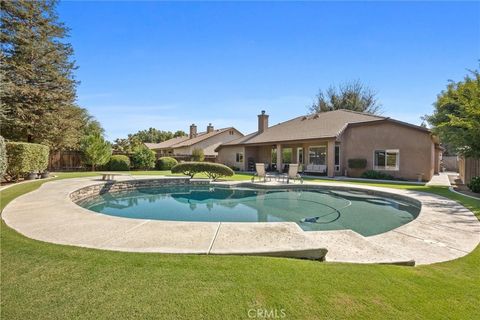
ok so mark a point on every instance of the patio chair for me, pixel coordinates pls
(260, 172)
(293, 173)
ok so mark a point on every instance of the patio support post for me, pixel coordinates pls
(279, 157)
(331, 158)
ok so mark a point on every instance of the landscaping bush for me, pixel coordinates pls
(198, 155)
(357, 163)
(143, 158)
(474, 184)
(95, 150)
(24, 158)
(166, 163)
(119, 163)
(372, 174)
(3, 157)
(212, 170)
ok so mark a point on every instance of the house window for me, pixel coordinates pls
(386, 159)
(231, 132)
(239, 157)
(317, 155)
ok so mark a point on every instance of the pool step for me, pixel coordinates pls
(349, 246)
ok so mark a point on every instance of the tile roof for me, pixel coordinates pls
(166, 144)
(186, 141)
(200, 137)
(322, 125)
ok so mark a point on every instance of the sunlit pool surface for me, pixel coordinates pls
(312, 210)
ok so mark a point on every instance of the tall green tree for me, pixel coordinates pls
(456, 116)
(96, 151)
(352, 95)
(151, 135)
(38, 87)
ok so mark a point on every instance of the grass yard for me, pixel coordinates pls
(47, 281)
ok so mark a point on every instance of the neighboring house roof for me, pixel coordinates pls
(180, 142)
(166, 144)
(317, 126)
(201, 137)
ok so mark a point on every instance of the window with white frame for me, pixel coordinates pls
(388, 159)
(239, 157)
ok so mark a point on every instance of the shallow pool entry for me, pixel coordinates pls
(311, 209)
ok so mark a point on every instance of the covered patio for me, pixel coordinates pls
(317, 157)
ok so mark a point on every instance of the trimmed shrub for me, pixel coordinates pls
(372, 174)
(166, 163)
(474, 184)
(198, 155)
(24, 158)
(3, 157)
(212, 170)
(119, 163)
(143, 158)
(357, 163)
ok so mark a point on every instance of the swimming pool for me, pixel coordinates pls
(312, 209)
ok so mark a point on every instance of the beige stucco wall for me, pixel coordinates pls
(209, 145)
(417, 151)
(227, 156)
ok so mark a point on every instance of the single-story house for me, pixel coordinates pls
(181, 147)
(325, 142)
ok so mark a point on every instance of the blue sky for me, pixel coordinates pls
(166, 65)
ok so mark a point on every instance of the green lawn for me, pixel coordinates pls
(47, 281)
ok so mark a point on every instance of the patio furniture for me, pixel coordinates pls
(293, 173)
(261, 173)
(320, 168)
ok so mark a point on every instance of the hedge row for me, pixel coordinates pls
(24, 158)
(372, 174)
(212, 170)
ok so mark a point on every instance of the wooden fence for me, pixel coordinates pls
(450, 163)
(468, 168)
(65, 161)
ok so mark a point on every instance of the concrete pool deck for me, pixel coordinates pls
(444, 230)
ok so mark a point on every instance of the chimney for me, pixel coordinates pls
(209, 128)
(262, 122)
(193, 131)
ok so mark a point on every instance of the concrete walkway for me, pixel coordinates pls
(443, 231)
(440, 180)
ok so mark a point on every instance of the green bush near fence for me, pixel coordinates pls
(24, 158)
(474, 184)
(166, 163)
(212, 170)
(119, 163)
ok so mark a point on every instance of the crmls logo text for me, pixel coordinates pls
(267, 313)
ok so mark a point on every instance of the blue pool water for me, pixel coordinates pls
(322, 209)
